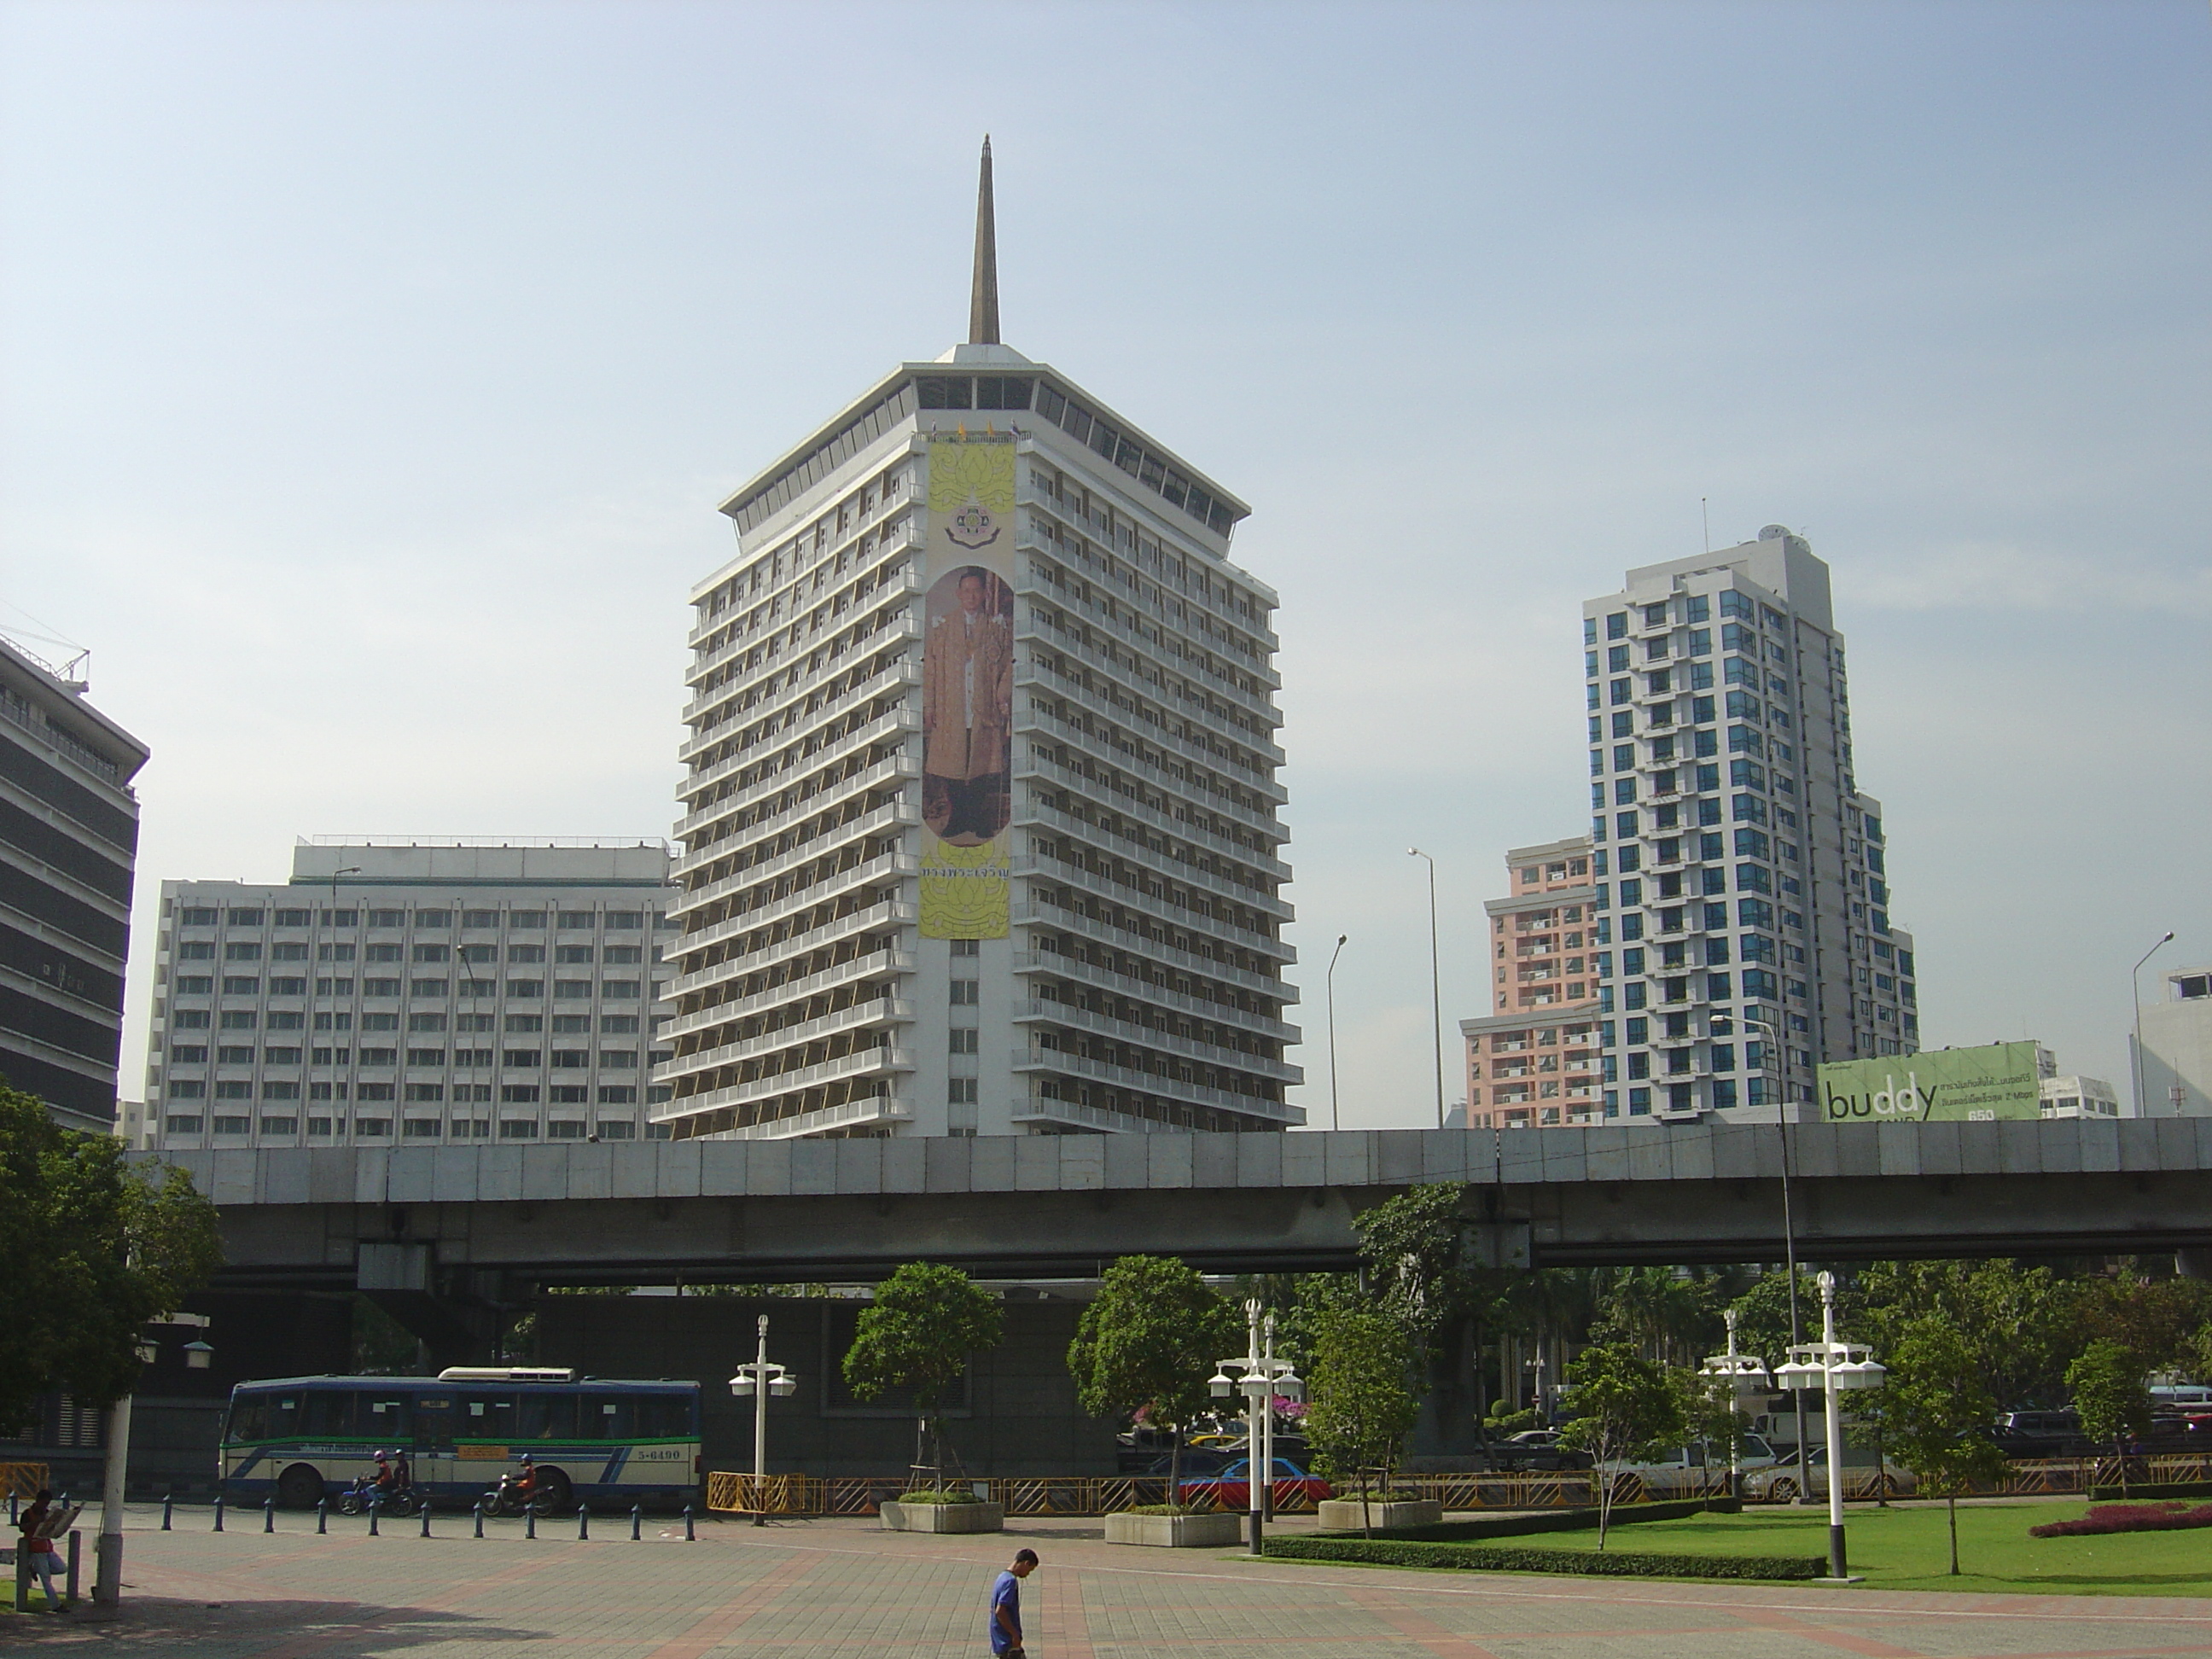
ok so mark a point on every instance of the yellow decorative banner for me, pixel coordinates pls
(968, 689)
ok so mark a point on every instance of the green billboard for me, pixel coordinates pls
(1942, 1085)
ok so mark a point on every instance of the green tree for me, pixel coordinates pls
(1147, 1343)
(1620, 1407)
(1938, 1414)
(91, 1248)
(2108, 1388)
(917, 1334)
(1361, 1402)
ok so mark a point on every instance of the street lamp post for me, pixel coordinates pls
(1742, 1373)
(1833, 1367)
(1435, 990)
(2135, 991)
(758, 1381)
(1790, 1251)
(1329, 980)
(1260, 1377)
(107, 1549)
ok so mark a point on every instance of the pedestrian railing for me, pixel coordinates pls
(2072, 1474)
(1090, 1495)
(22, 1480)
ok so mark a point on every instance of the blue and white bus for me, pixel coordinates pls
(610, 1442)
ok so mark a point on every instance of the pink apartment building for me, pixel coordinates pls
(1537, 1060)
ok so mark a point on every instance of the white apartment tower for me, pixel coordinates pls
(411, 993)
(1742, 887)
(981, 826)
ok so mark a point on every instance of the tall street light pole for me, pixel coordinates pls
(1435, 990)
(760, 1379)
(1329, 980)
(2135, 990)
(1259, 1376)
(107, 1549)
(1832, 1366)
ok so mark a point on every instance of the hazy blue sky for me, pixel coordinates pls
(372, 372)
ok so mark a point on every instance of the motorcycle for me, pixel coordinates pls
(509, 1498)
(357, 1498)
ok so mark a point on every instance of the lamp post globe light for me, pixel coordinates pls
(756, 1381)
(1259, 1376)
(1831, 1366)
(1742, 1373)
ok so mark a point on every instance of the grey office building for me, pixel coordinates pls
(69, 838)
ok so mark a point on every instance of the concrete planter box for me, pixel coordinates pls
(1216, 1529)
(1342, 1514)
(943, 1517)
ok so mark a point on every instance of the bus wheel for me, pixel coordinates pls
(299, 1487)
(558, 1492)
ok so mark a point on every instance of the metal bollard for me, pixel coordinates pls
(76, 1557)
(426, 1518)
(636, 1522)
(168, 1503)
(530, 1520)
(268, 1514)
(376, 1508)
(480, 1517)
(218, 1511)
(322, 1516)
(22, 1581)
(690, 1537)
(11, 1508)
(583, 1522)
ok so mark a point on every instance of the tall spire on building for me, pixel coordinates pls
(983, 295)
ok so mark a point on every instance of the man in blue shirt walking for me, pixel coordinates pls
(1006, 1606)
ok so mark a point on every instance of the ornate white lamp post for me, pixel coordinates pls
(107, 1548)
(1831, 1366)
(758, 1381)
(1260, 1377)
(1740, 1374)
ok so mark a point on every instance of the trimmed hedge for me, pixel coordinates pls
(1590, 1564)
(1574, 1520)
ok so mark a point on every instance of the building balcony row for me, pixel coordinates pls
(871, 918)
(1061, 966)
(1040, 913)
(1057, 1062)
(813, 787)
(1036, 762)
(1114, 844)
(1041, 1012)
(871, 1014)
(873, 965)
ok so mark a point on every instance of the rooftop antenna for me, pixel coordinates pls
(1705, 513)
(983, 291)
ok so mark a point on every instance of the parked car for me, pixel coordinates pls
(2042, 1434)
(1196, 1461)
(1534, 1450)
(1782, 1482)
(1684, 1468)
(1232, 1489)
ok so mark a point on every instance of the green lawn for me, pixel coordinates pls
(1906, 1548)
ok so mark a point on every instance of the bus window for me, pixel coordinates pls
(283, 1416)
(547, 1417)
(380, 1416)
(664, 1416)
(249, 1418)
(328, 1414)
(610, 1416)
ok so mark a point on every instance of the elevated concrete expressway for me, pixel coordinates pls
(482, 1223)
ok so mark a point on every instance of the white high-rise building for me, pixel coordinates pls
(982, 830)
(2173, 1067)
(412, 993)
(1742, 876)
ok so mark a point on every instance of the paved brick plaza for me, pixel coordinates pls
(823, 1588)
